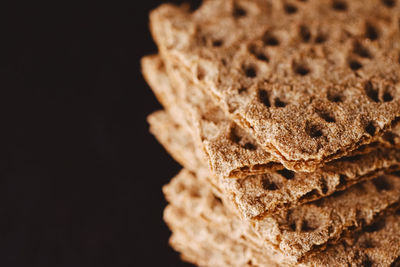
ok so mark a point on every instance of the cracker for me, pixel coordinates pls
(374, 247)
(229, 150)
(309, 86)
(205, 245)
(260, 195)
(298, 232)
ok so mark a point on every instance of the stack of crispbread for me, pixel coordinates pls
(286, 118)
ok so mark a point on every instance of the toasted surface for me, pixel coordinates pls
(206, 245)
(298, 232)
(259, 195)
(229, 150)
(200, 242)
(310, 81)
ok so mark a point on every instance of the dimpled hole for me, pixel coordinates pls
(201, 73)
(288, 174)
(371, 32)
(361, 51)
(292, 226)
(389, 3)
(242, 90)
(217, 43)
(305, 33)
(270, 40)
(371, 92)
(290, 9)
(262, 57)
(301, 69)
(387, 97)
(355, 65)
(314, 130)
(370, 128)
(326, 116)
(217, 199)
(258, 54)
(279, 103)
(264, 98)
(339, 5)
(334, 97)
(381, 184)
(307, 226)
(366, 262)
(268, 185)
(239, 12)
(250, 71)
(234, 136)
(320, 38)
(249, 146)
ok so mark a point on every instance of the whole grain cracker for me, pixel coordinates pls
(260, 195)
(229, 150)
(374, 247)
(309, 86)
(300, 231)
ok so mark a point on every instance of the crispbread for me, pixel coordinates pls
(197, 240)
(260, 195)
(205, 245)
(180, 147)
(297, 232)
(211, 129)
(309, 86)
(229, 150)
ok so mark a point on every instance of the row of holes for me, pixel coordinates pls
(235, 137)
(381, 184)
(269, 39)
(289, 8)
(239, 12)
(300, 69)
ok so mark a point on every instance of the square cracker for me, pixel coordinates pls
(202, 243)
(309, 85)
(260, 195)
(295, 234)
(229, 150)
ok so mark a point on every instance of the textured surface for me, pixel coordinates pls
(202, 243)
(258, 195)
(228, 149)
(309, 80)
(296, 232)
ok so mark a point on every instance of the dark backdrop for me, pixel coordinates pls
(81, 176)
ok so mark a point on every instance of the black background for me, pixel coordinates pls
(81, 176)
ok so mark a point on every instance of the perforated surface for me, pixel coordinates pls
(259, 195)
(305, 229)
(229, 150)
(309, 80)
